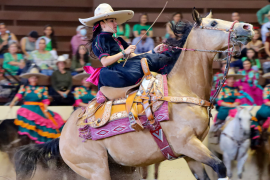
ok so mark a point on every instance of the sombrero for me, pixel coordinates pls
(105, 11)
(61, 59)
(266, 75)
(34, 72)
(231, 73)
(81, 76)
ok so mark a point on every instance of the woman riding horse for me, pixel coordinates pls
(112, 52)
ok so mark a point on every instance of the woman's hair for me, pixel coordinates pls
(96, 31)
(53, 39)
(85, 56)
(174, 14)
(255, 53)
(10, 42)
(144, 14)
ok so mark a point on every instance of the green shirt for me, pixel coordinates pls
(11, 68)
(261, 14)
(138, 28)
(76, 64)
(61, 81)
(125, 32)
(255, 62)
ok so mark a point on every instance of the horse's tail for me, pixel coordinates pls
(27, 157)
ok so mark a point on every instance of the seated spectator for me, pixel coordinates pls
(265, 28)
(256, 43)
(5, 37)
(267, 45)
(81, 59)
(252, 56)
(43, 59)
(13, 61)
(78, 39)
(145, 45)
(249, 83)
(143, 25)
(28, 43)
(176, 18)
(49, 37)
(123, 31)
(84, 93)
(61, 81)
(236, 16)
(262, 14)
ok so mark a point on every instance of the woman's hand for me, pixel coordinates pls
(160, 48)
(130, 49)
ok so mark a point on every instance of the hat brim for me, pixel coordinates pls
(39, 75)
(235, 76)
(266, 75)
(81, 76)
(120, 16)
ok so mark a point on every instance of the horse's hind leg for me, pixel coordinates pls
(196, 150)
(197, 169)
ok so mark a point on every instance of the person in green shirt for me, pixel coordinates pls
(81, 59)
(49, 37)
(143, 25)
(13, 62)
(252, 55)
(262, 19)
(123, 31)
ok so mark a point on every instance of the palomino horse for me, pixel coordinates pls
(188, 126)
(235, 141)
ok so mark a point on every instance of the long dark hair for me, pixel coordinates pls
(53, 39)
(96, 31)
(85, 56)
(255, 54)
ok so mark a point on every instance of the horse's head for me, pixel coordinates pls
(213, 33)
(244, 117)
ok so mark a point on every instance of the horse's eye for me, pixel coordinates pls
(214, 23)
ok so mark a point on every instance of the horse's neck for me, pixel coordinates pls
(235, 130)
(192, 73)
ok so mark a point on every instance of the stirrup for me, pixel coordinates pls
(135, 123)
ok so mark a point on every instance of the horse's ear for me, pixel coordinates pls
(196, 16)
(209, 15)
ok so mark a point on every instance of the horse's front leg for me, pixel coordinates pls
(197, 169)
(196, 150)
(228, 163)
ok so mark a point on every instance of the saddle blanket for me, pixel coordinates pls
(121, 126)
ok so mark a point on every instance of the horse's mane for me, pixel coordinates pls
(181, 31)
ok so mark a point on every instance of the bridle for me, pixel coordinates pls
(231, 38)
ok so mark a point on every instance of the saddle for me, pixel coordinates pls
(144, 98)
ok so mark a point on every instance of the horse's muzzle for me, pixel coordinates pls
(243, 32)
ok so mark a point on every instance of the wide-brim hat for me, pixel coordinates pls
(105, 11)
(34, 72)
(266, 75)
(231, 73)
(81, 76)
(61, 59)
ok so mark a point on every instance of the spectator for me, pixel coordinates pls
(145, 45)
(265, 28)
(78, 39)
(84, 93)
(28, 43)
(249, 83)
(43, 59)
(236, 16)
(143, 25)
(81, 59)
(123, 31)
(33, 118)
(13, 61)
(216, 78)
(252, 56)
(176, 18)
(61, 81)
(5, 37)
(267, 46)
(49, 38)
(262, 14)
(256, 43)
